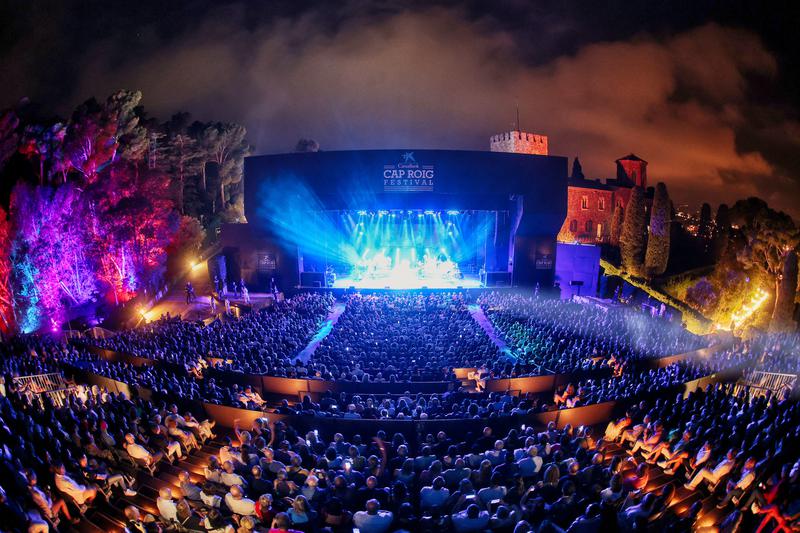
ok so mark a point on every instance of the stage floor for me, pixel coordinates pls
(406, 282)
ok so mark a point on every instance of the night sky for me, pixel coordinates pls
(707, 91)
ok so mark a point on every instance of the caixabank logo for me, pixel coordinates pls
(408, 176)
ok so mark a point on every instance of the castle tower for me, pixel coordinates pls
(519, 142)
(632, 169)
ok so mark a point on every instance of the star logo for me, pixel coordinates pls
(408, 157)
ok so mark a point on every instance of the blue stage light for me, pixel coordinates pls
(383, 212)
(452, 212)
(362, 212)
(428, 212)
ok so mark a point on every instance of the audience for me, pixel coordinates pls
(675, 461)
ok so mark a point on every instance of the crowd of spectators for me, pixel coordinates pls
(271, 477)
(561, 336)
(674, 461)
(402, 337)
(776, 352)
(263, 342)
(413, 336)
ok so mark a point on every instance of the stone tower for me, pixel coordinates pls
(519, 142)
(632, 169)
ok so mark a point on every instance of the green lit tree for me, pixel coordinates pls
(658, 240)
(617, 219)
(632, 238)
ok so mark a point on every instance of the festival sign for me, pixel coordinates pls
(408, 176)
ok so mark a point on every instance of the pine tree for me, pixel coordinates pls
(631, 240)
(785, 294)
(658, 240)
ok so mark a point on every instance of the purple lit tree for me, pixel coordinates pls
(52, 238)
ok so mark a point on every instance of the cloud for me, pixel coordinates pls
(435, 78)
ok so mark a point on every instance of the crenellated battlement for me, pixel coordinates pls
(519, 142)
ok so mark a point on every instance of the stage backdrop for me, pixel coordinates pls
(531, 189)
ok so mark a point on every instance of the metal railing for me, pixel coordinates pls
(760, 383)
(40, 383)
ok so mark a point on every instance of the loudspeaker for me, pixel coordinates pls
(498, 279)
(312, 279)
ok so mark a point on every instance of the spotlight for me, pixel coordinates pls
(195, 264)
(419, 215)
(428, 212)
(452, 212)
(382, 212)
(361, 212)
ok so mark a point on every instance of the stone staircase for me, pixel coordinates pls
(110, 517)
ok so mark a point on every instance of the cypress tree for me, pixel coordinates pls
(631, 240)
(658, 240)
(722, 231)
(616, 225)
(704, 228)
(577, 170)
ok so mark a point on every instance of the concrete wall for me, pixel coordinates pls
(577, 262)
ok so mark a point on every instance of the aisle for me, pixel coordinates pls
(324, 330)
(483, 321)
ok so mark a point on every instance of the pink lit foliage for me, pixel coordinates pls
(6, 295)
(136, 221)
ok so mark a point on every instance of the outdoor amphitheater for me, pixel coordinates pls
(372, 354)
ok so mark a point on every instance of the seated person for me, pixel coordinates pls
(167, 508)
(713, 476)
(373, 519)
(238, 504)
(81, 494)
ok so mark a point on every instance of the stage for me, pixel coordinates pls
(390, 281)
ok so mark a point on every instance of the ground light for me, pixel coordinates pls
(756, 300)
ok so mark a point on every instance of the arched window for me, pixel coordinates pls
(589, 226)
(573, 225)
(584, 202)
(601, 203)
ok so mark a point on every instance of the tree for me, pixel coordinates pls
(763, 238)
(122, 108)
(181, 156)
(577, 170)
(6, 295)
(53, 245)
(631, 240)
(704, 230)
(91, 140)
(658, 240)
(45, 144)
(224, 145)
(135, 219)
(784, 299)
(722, 231)
(306, 145)
(617, 220)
